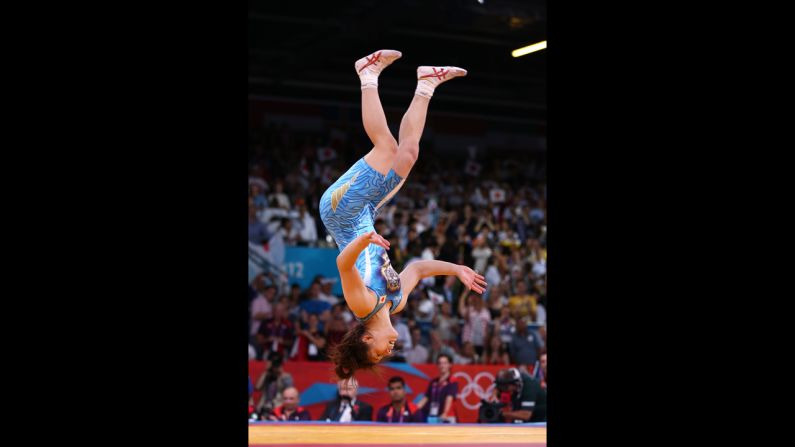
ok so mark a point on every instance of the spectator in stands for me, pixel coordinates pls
(498, 300)
(313, 304)
(463, 246)
(325, 291)
(541, 312)
(447, 324)
(276, 334)
(289, 410)
(400, 409)
(294, 300)
(448, 288)
(523, 304)
(525, 346)
(507, 236)
(476, 321)
(257, 196)
(537, 213)
(426, 310)
(311, 343)
(278, 198)
(522, 222)
(382, 229)
(497, 271)
(467, 356)
(337, 326)
(261, 310)
(346, 407)
(417, 353)
(439, 348)
(481, 252)
(257, 231)
(403, 341)
(448, 250)
(485, 221)
(505, 327)
(496, 353)
(289, 232)
(468, 220)
(307, 234)
(536, 254)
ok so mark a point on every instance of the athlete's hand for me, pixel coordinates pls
(374, 238)
(474, 281)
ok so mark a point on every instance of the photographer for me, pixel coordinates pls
(272, 383)
(517, 398)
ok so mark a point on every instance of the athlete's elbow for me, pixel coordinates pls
(343, 263)
(414, 269)
(411, 149)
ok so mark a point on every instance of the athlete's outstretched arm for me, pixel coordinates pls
(418, 270)
(356, 294)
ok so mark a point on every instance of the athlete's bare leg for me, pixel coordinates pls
(382, 156)
(413, 123)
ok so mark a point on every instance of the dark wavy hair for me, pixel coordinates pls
(351, 353)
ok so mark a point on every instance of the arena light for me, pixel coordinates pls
(529, 49)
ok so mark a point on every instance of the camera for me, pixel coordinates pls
(265, 412)
(490, 412)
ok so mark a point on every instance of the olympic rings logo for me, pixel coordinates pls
(473, 387)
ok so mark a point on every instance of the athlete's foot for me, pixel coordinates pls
(369, 67)
(428, 78)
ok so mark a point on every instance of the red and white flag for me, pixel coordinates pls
(497, 195)
(303, 167)
(326, 153)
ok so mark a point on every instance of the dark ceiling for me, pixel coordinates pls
(307, 50)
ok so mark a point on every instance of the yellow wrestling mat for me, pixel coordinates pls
(328, 435)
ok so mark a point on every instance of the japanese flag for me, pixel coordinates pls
(326, 153)
(497, 195)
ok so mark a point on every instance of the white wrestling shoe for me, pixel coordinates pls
(369, 67)
(428, 78)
